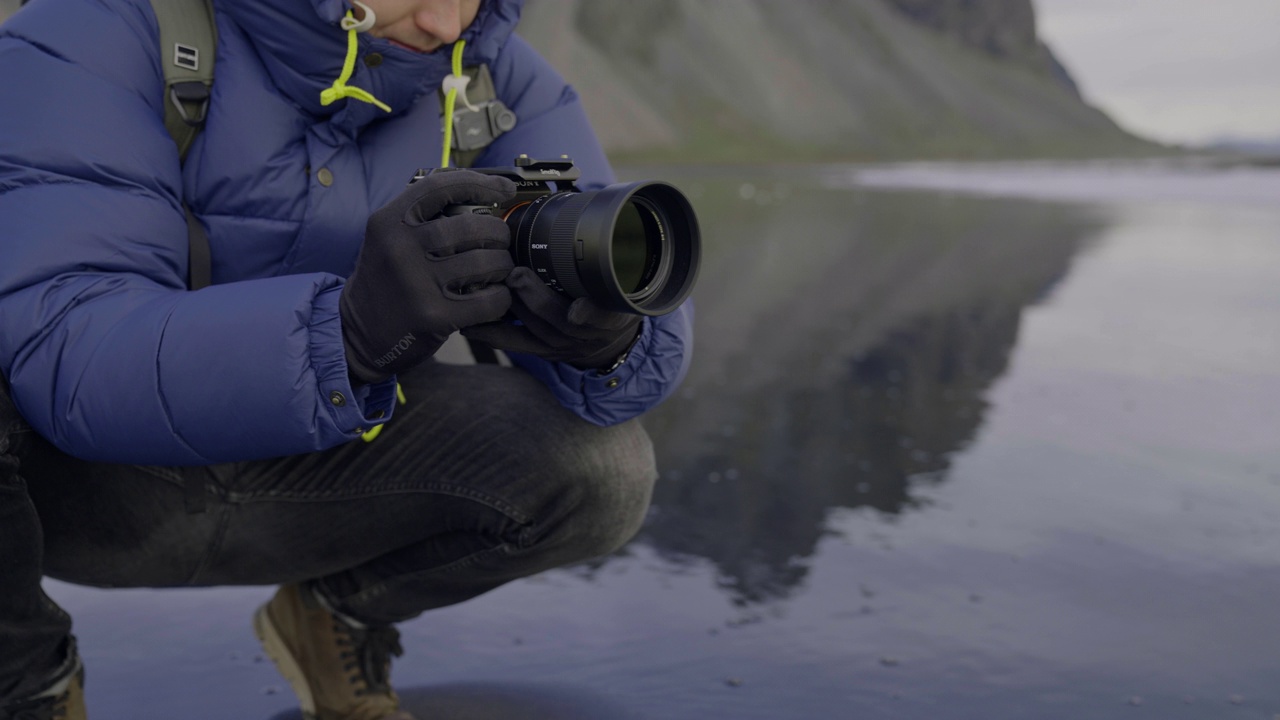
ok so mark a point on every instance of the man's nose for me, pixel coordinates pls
(441, 19)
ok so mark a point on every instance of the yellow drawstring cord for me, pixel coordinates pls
(340, 87)
(373, 432)
(451, 98)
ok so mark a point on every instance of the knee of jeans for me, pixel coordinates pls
(604, 500)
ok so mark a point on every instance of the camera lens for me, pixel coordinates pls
(632, 248)
(638, 238)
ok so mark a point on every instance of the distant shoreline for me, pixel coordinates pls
(1211, 179)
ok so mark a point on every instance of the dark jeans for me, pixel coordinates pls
(482, 478)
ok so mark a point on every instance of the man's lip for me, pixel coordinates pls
(407, 46)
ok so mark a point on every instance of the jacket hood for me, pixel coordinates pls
(302, 48)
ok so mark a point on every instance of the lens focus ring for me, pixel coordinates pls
(559, 226)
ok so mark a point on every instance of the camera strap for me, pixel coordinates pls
(480, 120)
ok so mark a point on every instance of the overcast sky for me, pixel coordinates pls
(1173, 70)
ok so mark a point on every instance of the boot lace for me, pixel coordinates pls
(367, 656)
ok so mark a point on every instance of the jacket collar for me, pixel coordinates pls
(302, 47)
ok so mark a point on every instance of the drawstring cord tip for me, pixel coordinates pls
(340, 89)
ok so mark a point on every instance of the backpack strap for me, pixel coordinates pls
(188, 43)
(188, 46)
(199, 256)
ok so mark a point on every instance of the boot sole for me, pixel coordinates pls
(279, 653)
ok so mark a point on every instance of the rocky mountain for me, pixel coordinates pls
(806, 80)
(747, 80)
(1004, 29)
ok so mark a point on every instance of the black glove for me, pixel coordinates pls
(555, 327)
(420, 277)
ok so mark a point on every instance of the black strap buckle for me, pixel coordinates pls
(193, 95)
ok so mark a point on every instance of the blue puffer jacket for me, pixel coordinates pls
(109, 356)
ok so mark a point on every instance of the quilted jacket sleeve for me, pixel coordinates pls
(552, 122)
(109, 356)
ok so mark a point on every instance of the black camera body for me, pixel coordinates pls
(632, 247)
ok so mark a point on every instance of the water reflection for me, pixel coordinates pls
(846, 340)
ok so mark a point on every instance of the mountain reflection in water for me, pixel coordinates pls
(844, 346)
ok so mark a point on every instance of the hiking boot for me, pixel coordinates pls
(339, 669)
(63, 701)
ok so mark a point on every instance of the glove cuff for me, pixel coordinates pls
(612, 357)
(359, 372)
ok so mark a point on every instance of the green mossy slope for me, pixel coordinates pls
(820, 80)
